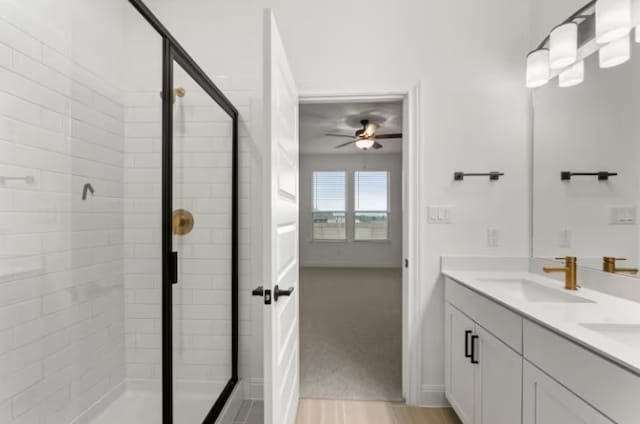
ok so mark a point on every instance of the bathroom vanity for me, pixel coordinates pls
(522, 349)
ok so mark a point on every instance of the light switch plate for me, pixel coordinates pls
(439, 214)
(622, 215)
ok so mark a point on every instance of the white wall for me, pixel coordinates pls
(61, 290)
(350, 253)
(470, 56)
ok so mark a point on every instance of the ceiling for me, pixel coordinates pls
(317, 119)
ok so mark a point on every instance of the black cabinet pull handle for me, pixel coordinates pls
(473, 349)
(466, 344)
(277, 292)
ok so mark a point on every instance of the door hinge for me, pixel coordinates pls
(406, 263)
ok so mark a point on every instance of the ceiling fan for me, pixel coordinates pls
(366, 138)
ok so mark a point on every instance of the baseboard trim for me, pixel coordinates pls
(254, 389)
(433, 395)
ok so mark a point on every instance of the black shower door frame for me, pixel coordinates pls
(173, 52)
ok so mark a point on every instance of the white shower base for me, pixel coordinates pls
(140, 405)
(137, 407)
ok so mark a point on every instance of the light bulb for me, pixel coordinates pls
(571, 76)
(563, 45)
(615, 53)
(613, 20)
(538, 73)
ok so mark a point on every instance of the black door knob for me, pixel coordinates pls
(258, 291)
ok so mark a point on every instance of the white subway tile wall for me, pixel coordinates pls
(61, 258)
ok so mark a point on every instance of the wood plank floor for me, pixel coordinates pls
(312, 411)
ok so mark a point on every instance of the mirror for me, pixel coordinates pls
(589, 128)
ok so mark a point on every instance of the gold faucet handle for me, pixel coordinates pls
(567, 259)
(613, 259)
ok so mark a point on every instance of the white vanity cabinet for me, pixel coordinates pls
(503, 368)
(545, 401)
(460, 373)
(484, 375)
(498, 381)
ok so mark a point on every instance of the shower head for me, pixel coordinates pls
(179, 92)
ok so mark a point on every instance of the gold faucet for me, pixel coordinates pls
(609, 265)
(570, 272)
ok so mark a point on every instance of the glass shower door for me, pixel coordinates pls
(203, 238)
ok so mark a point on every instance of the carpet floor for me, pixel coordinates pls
(351, 333)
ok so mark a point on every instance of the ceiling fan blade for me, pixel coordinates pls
(345, 144)
(388, 136)
(377, 145)
(339, 135)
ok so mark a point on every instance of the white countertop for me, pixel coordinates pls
(566, 318)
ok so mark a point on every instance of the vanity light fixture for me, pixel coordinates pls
(563, 45)
(613, 20)
(571, 76)
(615, 53)
(538, 73)
(601, 26)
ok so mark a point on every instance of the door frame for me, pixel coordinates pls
(411, 152)
(173, 52)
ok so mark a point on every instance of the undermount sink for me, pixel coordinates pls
(531, 291)
(628, 334)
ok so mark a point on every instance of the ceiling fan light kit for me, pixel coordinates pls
(365, 143)
(366, 138)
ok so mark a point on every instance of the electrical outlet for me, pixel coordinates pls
(565, 238)
(493, 237)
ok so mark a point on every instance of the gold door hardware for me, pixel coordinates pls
(609, 265)
(570, 272)
(182, 222)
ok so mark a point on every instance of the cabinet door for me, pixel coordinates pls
(498, 381)
(546, 402)
(460, 371)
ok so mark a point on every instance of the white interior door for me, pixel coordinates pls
(281, 337)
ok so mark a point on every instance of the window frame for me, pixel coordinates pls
(350, 210)
(345, 211)
(353, 213)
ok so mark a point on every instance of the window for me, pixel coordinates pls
(329, 205)
(371, 205)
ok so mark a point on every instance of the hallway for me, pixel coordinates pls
(351, 333)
